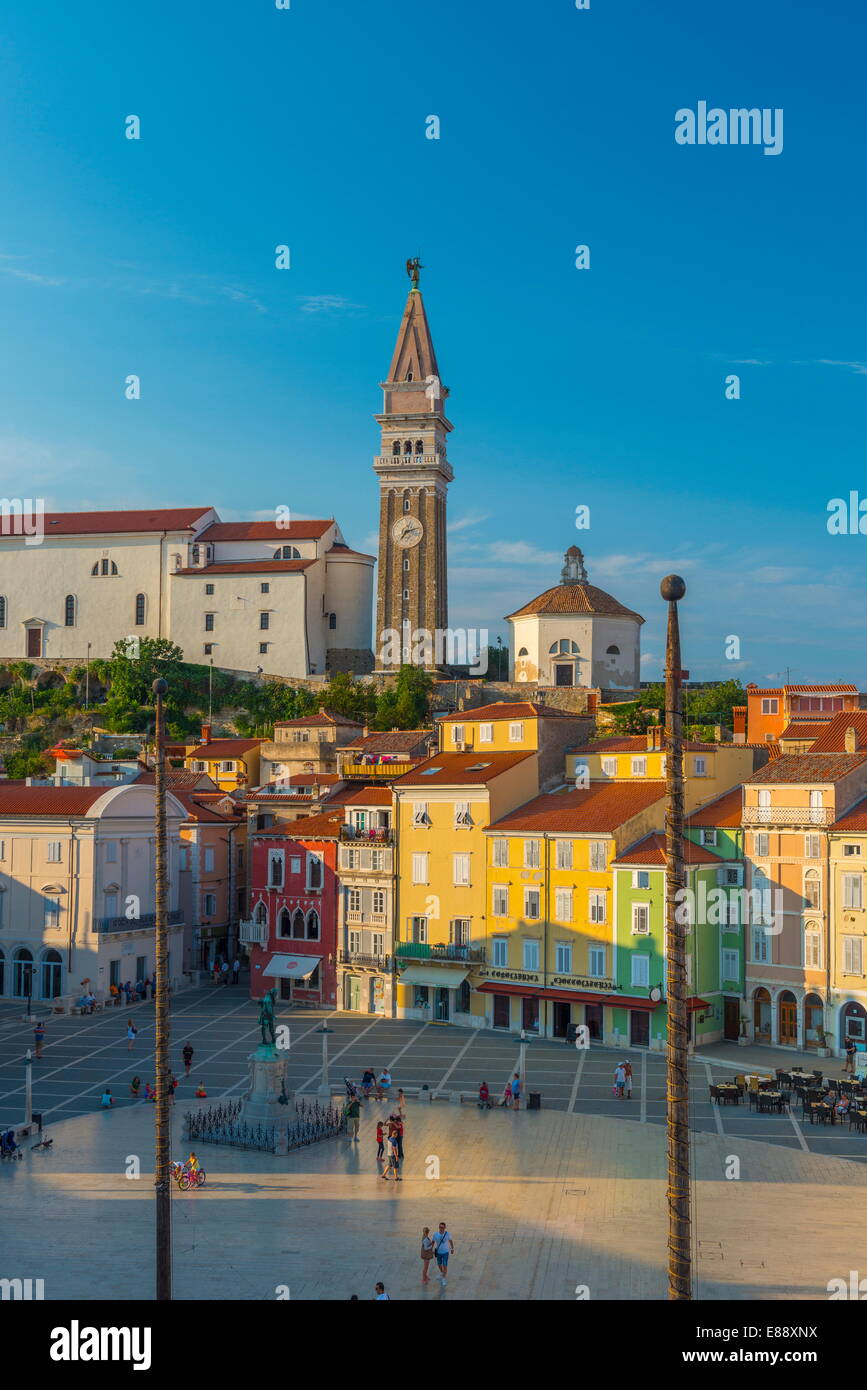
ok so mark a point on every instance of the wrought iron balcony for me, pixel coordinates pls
(381, 835)
(425, 950)
(107, 925)
(365, 958)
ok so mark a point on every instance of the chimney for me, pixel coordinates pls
(206, 733)
(654, 737)
(851, 740)
(364, 731)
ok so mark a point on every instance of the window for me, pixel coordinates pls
(209, 859)
(812, 846)
(354, 942)
(598, 855)
(564, 854)
(730, 965)
(377, 859)
(210, 905)
(563, 904)
(104, 567)
(353, 900)
(639, 767)
(314, 872)
(531, 854)
(377, 943)
(640, 920)
(406, 595)
(209, 622)
(275, 868)
(641, 878)
(500, 853)
(264, 621)
(500, 951)
(263, 648)
(69, 610)
(2, 849)
(563, 648)
(812, 948)
(295, 864)
(395, 448)
(461, 864)
(418, 930)
(609, 767)
(760, 944)
(516, 733)
(457, 733)
(200, 767)
(813, 890)
(708, 837)
(209, 588)
(770, 706)
(852, 890)
(597, 907)
(531, 904)
(596, 962)
(761, 844)
(419, 868)
(419, 813)
(208, 648)
(287, 552)
(699, 767)
(486, 733)
(499, 902)
(378, 903)
(563, 958)
(53, 851)
(641, 971)
(51, 919)
(313, 925)
(332, 621)
(462, 813)
(264, 588)
(406, 504)
(139, 610)
(406, 564)
(2, 610)
(459, 931)
(850, 850)
(531, 955)
(111, 851)
(852, 955)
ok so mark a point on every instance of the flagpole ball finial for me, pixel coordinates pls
(160, 686)
(672, 588)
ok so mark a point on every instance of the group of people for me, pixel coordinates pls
(623, 1080)
(380, 1086)
(134, 992)
(222, 972)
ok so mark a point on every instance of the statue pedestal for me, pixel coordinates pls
(261, 1104)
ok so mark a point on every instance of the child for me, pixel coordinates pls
(380, 1142)
(507, 1095)
(107, 1099)
(201, 1092)
(484, 1097)
(135, 1086)
(150, 1093)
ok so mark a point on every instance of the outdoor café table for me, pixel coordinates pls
(770, 1100)
(729, 1090)
(823, 1105)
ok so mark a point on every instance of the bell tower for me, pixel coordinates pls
(414, 474)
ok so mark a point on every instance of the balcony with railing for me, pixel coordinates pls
(376, 835)
(373, 772)
(105, 926)
(373, 962)
(425, 950)
(252, 933)
(788, 815)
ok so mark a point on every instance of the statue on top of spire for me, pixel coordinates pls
(413, 267)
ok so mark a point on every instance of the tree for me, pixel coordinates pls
(131, 677)
(405, 704)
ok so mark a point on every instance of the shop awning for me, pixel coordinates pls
(291, 967)
(695, 1004)
(571, 996)
(433, 976)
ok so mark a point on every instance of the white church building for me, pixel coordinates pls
(289, 597)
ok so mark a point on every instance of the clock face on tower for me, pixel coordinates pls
(407, 531)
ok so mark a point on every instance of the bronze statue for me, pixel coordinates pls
(266, 1017)
(413, 267)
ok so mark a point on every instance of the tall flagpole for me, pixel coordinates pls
(162, 1177)
(673, 589)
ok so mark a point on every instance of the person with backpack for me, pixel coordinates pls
(443, 1247)
(131, 1034)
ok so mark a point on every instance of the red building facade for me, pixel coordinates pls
(294, 896)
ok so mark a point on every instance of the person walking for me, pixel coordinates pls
(380, 1141)
(393, 1157)
(398, 1134)
(427, 1253)
(850, 1056)
(381, 1296)
(353, 1112)
(516, 1092)
(236, 970)
(39, 1038)
(443, 1247)
(401, 1103)
(187, 1054)
(131, 1033)
(627, 1080)
(619, 1080)
(224, 972)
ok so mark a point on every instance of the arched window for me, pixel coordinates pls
(50, 984)
(104, 567)
(312, 925)
(22, 969)
(139, 610)
(408, 376)
(395, 448)
(298, 923)
(287, 552)
(69, 610)
(813, 890)
(407, 448)
(260, 916)
(2, 610)
(612, 651)
(419, 446)
(284, 922)
(564, 647)
(406, 504)
(523, 652)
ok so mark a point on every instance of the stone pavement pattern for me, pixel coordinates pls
(537, 1202)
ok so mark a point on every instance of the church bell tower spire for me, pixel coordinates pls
(414, 474)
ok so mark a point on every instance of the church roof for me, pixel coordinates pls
(414, 349)
(302, 530)
(575, 598)
(113, 523)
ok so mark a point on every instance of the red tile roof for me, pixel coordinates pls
(108, 523)
(266, 531)
(337, 552)
(460, 769)
(316, 721)
(326, 826)
(803, 689)
(198, 811)
(225, 748)
(802, 729)
(20, 800)
(397, 741)
(314, 779)
(808, 767)
(651, 851)
(832, 739)
(601, 807)
(247, 567)
(524, 709)
(854, 819)
(369, 796)
(723, 811)
(575, 598)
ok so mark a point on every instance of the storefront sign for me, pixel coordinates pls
(577, 982)
(520, 976)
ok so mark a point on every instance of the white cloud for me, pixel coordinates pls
(327, 304)
(462, 522)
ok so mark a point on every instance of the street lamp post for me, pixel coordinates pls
(87, 680)
(325, 1089)
(28, 1089)
(162, 1170)
(522, 1061)
(673, 589)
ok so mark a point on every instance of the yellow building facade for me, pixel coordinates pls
(709, 769)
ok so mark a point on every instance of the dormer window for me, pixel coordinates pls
(287, 552)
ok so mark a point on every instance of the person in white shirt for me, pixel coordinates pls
(443, 1247)
(381, 1296)
(619, 1080)
(383, 1085)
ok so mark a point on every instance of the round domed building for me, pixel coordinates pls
(576, 634)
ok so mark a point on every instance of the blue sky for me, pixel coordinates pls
(602, 387)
